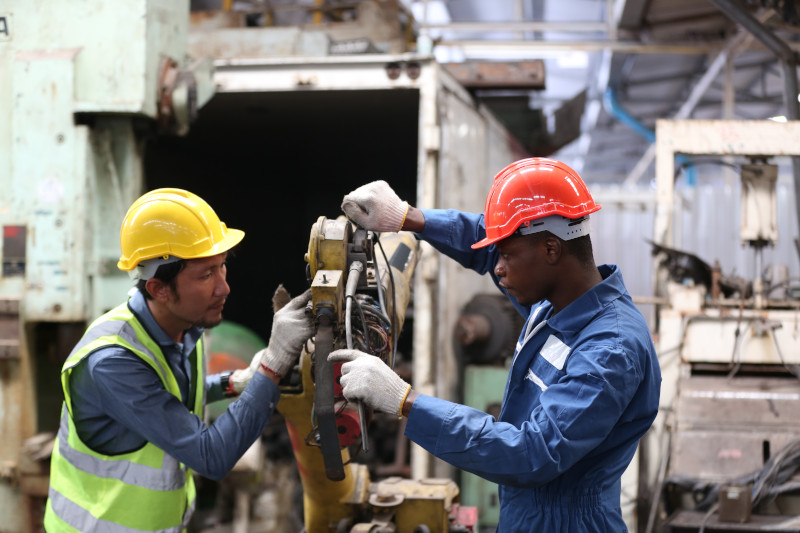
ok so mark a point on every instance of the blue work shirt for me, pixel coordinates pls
(119, 403)
(583, 388)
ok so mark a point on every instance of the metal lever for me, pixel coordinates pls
(323, 402)
(356, 267)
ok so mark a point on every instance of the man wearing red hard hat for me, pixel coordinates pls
(584, 382)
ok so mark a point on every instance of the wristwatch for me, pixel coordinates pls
(227, 384)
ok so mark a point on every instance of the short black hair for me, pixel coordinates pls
(581, 248)
(166, 273)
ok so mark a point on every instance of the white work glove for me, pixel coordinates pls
(240, 378)
(368, 379)
(291, 328)
(375, 207)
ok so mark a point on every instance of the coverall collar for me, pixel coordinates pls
(577, 314)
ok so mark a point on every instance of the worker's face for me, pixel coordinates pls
(200, 292)
(522, 267)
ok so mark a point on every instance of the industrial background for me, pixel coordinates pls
(681, 116)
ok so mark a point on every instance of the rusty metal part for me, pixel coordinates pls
(9, 328)
(726, 428)
(472, 328)
(177, 97)
(400, 466)
(168, 69)
(487, 329)
(280, 298)
(386, 499)
(499, 75)
(348, 424)
(426, 503)
(735, 503)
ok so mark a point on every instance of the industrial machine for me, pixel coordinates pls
(84, 84)
(96, 93)
(729, 347)
(358, 300)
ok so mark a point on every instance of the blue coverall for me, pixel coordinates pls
(583, 389)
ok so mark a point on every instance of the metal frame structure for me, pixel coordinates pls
(736, 405)
(713, 137)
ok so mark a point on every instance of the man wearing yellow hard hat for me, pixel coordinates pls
(132, 429)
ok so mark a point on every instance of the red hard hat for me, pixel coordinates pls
(530, 189)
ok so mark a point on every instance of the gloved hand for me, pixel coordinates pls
(375, 207)
(291, 328)
(240, 378)
(367, 378)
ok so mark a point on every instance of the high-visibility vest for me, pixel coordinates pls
(143, 490)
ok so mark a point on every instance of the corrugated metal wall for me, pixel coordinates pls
(708, 226)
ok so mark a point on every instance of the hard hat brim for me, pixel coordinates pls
(483, 243)
(231, 239)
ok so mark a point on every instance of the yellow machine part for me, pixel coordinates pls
(329, 503)
(327, 245)
(325, 502)
(414, 503)
(327, 291)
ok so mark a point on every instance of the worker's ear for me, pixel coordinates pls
(159, 290)
(553, 249)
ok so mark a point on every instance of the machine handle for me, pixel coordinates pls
(324, 410)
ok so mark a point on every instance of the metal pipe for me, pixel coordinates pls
(356, 267)
(615, 110)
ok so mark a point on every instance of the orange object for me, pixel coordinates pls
(531, 189)
(219, 362)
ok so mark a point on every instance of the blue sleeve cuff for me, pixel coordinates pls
(427, 419)
(260, 392)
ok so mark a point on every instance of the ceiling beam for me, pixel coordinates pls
(631, 13)
(631, 47)
(519, 26)
(698, 90)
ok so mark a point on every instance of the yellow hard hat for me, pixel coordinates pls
(172, 222)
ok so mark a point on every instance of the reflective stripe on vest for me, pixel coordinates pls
(144, 490)
(89, 523)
